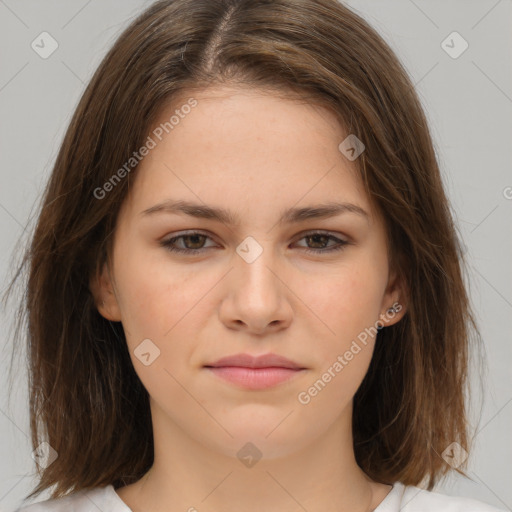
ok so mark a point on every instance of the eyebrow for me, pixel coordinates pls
(289, 216)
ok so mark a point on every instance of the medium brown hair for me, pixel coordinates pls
(86, 400)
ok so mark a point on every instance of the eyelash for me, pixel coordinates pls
(168, 244)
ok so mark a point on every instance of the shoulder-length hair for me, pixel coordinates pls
(86, 400)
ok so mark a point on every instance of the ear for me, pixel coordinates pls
(105, 299)
(395, 300)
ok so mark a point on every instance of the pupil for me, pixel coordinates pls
(194, 237)
(318, 236)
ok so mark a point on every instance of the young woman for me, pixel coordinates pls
(245, 288)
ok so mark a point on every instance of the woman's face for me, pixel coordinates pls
(247, 283)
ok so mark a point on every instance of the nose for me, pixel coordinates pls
(257, 299)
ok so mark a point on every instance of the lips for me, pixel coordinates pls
(248, 361)
(255, 373)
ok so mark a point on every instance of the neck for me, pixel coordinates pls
(189, 474)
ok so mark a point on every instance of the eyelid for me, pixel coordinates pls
(302, 234)
(341, 242)
(309, 232)
(187, 232)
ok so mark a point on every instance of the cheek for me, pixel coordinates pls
(157, 304)
(165, 304)
(346, 307)
(329, 391)
(153, 295)
(346, 301)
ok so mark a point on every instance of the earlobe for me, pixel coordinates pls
(395, 313)
(395, 310)
(392, 315)
(104, 297)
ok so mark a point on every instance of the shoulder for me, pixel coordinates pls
(415, 499)
(96, 498)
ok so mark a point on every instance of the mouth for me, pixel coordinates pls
(254, 378)
(255, 373)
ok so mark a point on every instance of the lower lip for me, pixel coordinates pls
(254, 378)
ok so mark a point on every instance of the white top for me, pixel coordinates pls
(400, 499)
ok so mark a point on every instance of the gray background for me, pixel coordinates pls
(468, 101)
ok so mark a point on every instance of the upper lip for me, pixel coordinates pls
(264, 361)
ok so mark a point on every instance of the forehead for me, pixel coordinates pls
(237, 145)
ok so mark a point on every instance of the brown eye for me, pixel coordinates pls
(319, 240)
(192, 242)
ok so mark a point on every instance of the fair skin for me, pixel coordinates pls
(256, 155)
